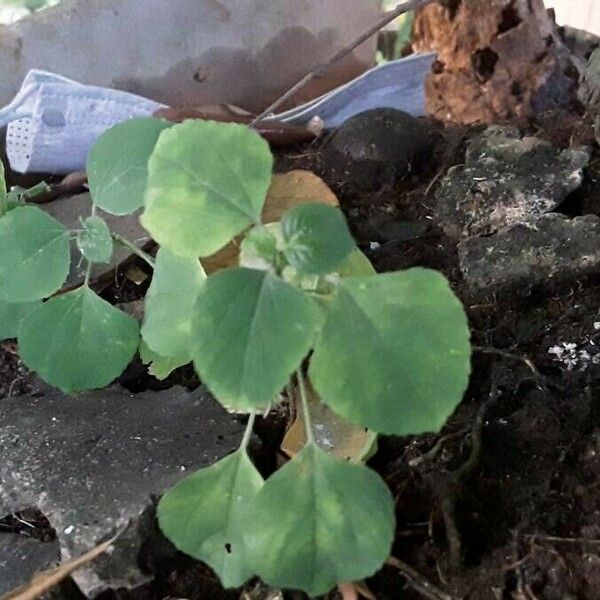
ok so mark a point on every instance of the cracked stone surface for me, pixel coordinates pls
(22, 557)
(545, 254)
(94, 463)
(589, 88)
(581, 43)
(506, 179)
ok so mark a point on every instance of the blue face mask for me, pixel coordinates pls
(397, 84)
(53, 122)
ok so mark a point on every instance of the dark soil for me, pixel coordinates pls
(525, 516)
(14, 378)
(505, 501)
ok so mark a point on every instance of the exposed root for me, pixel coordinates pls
(431, 454)
(418, 582)
(450, 491)
(541, 380)
(536, 537)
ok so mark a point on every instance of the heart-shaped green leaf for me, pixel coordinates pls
(11, 315)
(251, 331)
(117, 166)
(317, 238)
(161, 366)
(259, 249)
(167, 327)
(78, 341)
(356, 264)
(207, 182)
(319, 521)
(35, 255)
(394, 353)
(94, 240)
(204, 515)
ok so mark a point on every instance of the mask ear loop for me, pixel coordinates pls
(19, 108)
(37, 76)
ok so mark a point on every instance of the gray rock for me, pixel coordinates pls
(378, 147)
(589, 87)
(506, 179)
(541, 255)
(581, 43)
(92, 463)
(22, 557)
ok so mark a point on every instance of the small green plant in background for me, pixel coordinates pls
(13, 10)
(389, 352)
(396, 37)
(28, 5)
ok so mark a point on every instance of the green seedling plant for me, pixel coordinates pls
(388, 352)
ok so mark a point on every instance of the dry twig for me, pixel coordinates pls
(317, 71)
(45, 581)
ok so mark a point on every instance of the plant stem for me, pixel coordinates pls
(310, 438)
(88, 273)
(248, 432)
(133, 248)
(322, 68)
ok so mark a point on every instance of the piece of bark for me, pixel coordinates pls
(497, 60)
